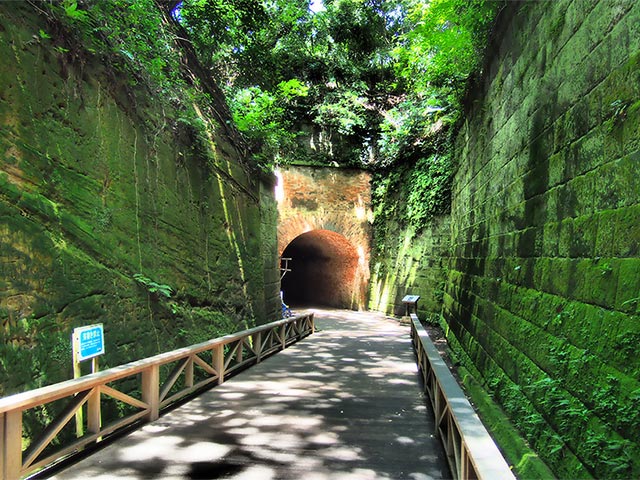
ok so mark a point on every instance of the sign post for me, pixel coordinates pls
(86, 343)
(410, 304)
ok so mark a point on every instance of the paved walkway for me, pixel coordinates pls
(344, 403)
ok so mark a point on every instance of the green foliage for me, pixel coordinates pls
(430, 193)
(412, 195)
(144, 50)
(229, 36)
(414, 125)
(131, 33)
(446, 41)
(262, 117)
(345, 112)
(386, 197)
(71, 10)
(386, 74)
(292, 89)
(153, 287)
(442, 47)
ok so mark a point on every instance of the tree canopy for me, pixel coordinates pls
(387, 75)
(385, 78)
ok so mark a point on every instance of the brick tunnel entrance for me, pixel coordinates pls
(325, 271)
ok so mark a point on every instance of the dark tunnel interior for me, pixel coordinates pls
(323, 272)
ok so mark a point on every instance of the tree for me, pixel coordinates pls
(386, 75)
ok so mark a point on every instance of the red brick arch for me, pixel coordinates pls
(312, 199)
(291, 228)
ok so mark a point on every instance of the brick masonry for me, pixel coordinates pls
(316, 199)
(544, 278)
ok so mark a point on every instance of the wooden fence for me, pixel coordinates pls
(161, 380)
(470, 450)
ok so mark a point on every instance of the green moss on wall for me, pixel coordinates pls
(100, 181)
(411, 235)
(525, 462)
(541, 300)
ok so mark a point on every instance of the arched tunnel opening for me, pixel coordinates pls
(325, 271)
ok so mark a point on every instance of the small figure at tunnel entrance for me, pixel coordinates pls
(286, 311)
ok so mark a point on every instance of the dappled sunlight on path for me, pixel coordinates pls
(343, 403)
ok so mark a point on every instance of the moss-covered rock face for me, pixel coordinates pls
(543, 292)
(406, 262)
(98, 182)
(411, 235)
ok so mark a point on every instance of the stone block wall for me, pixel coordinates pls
(411, 263)
(543, 291)
(269, 248)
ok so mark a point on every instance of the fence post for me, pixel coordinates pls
(257, 346)
(218, 362)
(300, 324)
(3, 447)
(283, 336)
(93, 411)
(188, 373)
(11, 455)
(240, 354)
(151, 391)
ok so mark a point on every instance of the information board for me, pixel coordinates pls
(411, 298)
(88, 342)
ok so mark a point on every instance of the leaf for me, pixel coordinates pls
(556, 448)
(293, 88)
(71, 9)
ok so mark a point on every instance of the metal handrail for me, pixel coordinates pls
(470, 450)
(227, 354)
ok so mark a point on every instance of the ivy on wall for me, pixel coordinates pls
(412, 195)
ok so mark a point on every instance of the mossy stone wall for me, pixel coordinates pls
(100, 180)
(406, 262)
(543, 292)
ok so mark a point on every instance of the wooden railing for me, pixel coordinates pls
(470, 450)
(161, 380)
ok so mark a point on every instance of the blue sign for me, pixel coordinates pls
(89, 341)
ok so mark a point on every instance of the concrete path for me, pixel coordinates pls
(345, 403)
